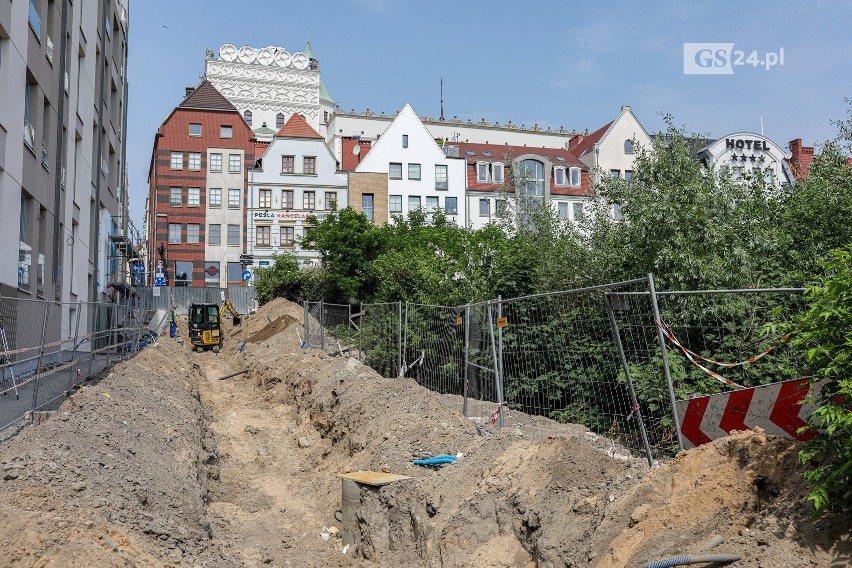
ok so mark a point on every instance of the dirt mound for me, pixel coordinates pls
(163, 464)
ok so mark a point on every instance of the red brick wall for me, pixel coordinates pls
(173, 135)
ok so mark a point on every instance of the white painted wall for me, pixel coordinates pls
(224, 215)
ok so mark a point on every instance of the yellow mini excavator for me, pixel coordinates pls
(205, 324)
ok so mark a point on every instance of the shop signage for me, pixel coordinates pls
(266, 215)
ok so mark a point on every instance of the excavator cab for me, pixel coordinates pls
(205, 330)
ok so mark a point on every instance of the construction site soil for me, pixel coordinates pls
(163, 464)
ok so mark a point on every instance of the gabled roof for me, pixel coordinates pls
(207, 97)
(298, 127)
(587, 143)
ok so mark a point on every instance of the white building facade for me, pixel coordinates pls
(269, 85)
(298, 178)
(747, 154)
(419, 174)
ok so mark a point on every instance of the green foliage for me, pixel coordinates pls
(282, 279)
(825, 337)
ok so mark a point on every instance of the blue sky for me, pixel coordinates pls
(555, 63)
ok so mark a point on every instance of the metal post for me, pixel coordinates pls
(399, 335)
(466, 355)
(74, 351)
(500, 345)
(637, 410)
(498, 382)
(402, 370)
(307, 329)
(40, 354)
(361, 332)
(665, 355)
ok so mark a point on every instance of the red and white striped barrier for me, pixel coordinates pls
(777, 408)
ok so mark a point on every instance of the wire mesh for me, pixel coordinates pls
(433, 343)
(380, 337)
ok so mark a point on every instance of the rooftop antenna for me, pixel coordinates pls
(442, 99)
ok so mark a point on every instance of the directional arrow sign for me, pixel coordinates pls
(777, 408)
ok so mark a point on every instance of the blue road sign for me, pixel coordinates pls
(246, 275)
(159, 281)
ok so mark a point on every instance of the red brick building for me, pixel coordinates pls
(198, 181)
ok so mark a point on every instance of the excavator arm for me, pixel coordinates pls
(228, 307)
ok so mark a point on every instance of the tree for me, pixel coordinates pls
(283, 279)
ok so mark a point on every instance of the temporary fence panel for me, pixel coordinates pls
(433, 343)
(380, 337)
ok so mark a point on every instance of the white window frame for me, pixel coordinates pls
(194, 161)
(578, 210)
(193, 233)
(559, 176)
(174, 239)
(191, 133)
(264, 199)
(217, 234)
(215, 162)
(176, 161)
(575, 178)
(193, 197)
(497, 172)
(433, 202)
(230, 242)
(564, 210)
(175, 191)
(487, 203)
(234, 165)
(215, 197)
(482, 172)
(438, 176)
(231, 193)
(398, 210)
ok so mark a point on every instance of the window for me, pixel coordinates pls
(308, 200)
(174, 233)
(215, 198)
(25, 251)
(233, 235)
(395, 203)
(431, 204)
(288, 164)
(233, 199)
(234, 163)
(405, 140)
(579, 211)
(175, 197)
(615, 173)
(287, 199)
(193, 197)
(575, 177)
(309, 165)
(484, 208)
(451, 205)
(532, 179)
(177, 160)
(628, 146)
(288, 235)
(215, 162)
(235, 274)
(194, 129)
(35, 20)
(501, 207)
(413, 203)
(563, 210)
(265, 199)
(194, 161)
(247, 117)
(183, 273)
(481, 172)
(214, 235)
(330, 200)
(395, 170)
(559, 176)
(616, 211)
(441, 178)
(628, 175)
(262, 235)
(226, 131)
(192, 231)
(497, 172)
(414, 171)
(279, 121)
(367, 205)
(29, 132)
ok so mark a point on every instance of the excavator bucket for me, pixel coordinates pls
(237, 320)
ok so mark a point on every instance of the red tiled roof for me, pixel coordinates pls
(298, 127)
(589, 141)
(206, 96)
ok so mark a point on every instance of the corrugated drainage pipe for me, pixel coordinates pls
(683, 560)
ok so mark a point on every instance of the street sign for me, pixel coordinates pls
(246, 275)
(159, 280)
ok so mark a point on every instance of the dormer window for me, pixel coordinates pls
(574, 177)
(559, 176)
(482, 172)
(628, 146)
(497, 172)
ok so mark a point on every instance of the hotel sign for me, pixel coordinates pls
(266, 215)
(745, 144)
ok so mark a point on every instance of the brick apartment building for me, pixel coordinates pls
(198, 176)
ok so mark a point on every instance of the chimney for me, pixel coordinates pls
(190, 90)
(800, 158)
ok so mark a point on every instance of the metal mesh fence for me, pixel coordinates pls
(614, 358)
(46, 348)
(380, 337)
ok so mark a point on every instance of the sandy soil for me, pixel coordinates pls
(163, 464)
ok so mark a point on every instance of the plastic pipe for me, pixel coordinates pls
(683, 560)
